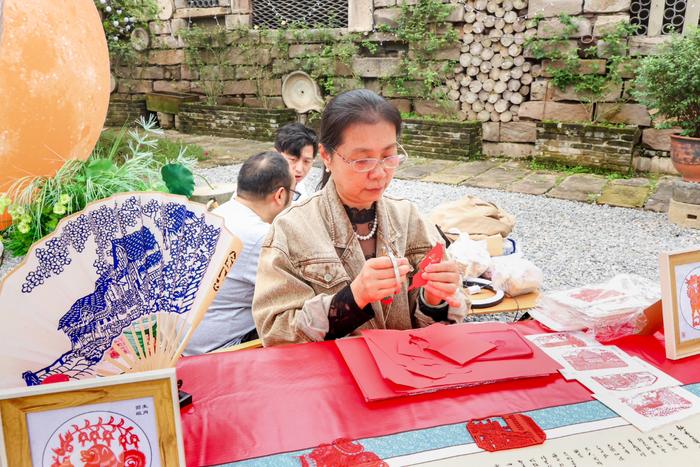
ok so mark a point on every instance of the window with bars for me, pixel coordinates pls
(274, 14)
(203, 3)
(655, 17)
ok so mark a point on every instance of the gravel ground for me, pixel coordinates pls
(574, 243)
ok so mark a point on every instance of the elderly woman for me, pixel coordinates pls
(328, 263)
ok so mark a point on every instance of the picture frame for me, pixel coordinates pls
(130, 419)
(680, 291)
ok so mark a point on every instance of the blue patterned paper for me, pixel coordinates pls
(148, 258)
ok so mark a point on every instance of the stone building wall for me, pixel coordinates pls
(491, 77)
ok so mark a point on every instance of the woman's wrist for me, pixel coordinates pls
(430, 299)
(356, 289)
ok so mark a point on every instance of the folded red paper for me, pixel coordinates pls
(387, 363)
(450, 342)
(435, 255)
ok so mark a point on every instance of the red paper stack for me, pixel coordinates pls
(387, 364)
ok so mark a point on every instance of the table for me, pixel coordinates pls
(262, 402)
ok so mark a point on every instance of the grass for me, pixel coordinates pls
(165, 149)
(578, 169)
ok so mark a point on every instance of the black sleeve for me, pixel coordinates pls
(344, 316)
(437, 313)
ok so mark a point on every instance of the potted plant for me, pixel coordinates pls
(670, 83)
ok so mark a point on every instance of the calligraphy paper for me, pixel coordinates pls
(652, 409)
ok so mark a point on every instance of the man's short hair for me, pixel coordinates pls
(293, 137)
(262, 174)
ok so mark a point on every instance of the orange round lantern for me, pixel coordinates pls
(54, 85)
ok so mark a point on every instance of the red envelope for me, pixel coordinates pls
(435, 255)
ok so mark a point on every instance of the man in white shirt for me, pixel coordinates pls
(299, 145)
(265, 188)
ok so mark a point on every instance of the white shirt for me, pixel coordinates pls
(230, 317)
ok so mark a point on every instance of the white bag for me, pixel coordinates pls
(515, 275)
(472, 255)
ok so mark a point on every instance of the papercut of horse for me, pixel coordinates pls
(118, 287)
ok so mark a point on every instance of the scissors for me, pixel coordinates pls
(397, 276)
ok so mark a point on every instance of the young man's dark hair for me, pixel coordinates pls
(293, 137)
(262, 174)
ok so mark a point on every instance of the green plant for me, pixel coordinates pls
(566, 67)
(119, 19)
(424, 28)
(127, 162)
(207, 53)
(670, 82)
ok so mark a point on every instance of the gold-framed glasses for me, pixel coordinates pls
(367, 165)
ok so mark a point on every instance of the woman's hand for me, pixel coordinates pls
(444, 280)
(377, 280)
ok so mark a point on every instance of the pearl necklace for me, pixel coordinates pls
(371, 232)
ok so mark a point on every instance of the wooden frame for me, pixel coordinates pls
(681, 322)
(88, 398)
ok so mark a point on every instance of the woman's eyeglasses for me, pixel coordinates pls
(367, 165)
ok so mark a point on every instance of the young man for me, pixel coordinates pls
(264, 190)
(299, 145)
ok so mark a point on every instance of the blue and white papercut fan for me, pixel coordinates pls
(118, 287)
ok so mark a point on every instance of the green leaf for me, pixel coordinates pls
(178, 178)
(99, 167)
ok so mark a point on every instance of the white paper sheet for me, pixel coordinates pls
(107, 433)
(562, 340)
(580, 361)
(653, 409)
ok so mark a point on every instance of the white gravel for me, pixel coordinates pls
(574, 243)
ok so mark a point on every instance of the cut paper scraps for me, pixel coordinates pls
(515, 431)
(389, 363)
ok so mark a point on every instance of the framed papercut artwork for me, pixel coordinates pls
(680, 288)
(129, 420)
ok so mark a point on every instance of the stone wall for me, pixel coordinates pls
(492, 76)
(234, 122)
(587, 145)
(442, 140)
(125, 110)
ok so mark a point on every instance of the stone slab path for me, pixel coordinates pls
(651, 193)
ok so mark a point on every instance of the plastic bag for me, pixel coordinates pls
(515, 275)
(472, 255)
(609, 310)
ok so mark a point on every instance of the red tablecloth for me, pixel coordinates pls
(266, 401)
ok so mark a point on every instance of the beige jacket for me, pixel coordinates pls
(311, 253)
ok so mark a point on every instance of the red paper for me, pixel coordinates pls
(520, 431)
(380, 376)
(508, 344)
(435, 255)
(454, 343)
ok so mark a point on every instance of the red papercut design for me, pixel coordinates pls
(99, 438)
(435, 255)
(519, 431)
(587, 359)
(659, 403)
(693, 292)
(591, 295)
(342, 451)
(560, 339)
(627, 381)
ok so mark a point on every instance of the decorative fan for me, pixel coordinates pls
(118, 287)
